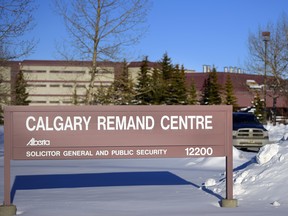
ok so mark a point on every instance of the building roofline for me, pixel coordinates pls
(79, 63)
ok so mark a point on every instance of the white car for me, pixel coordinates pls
(248, 132)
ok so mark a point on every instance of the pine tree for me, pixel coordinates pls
(211, 90)
(177, 93)
(205, 95)
(230, 98)
(21, 96)
(166, 67)
(215, 97)
(103, 95)
(258, 104)
(181, 86)
(157, 87)
(192, 93)
(122, 91)
(167, 76)
(143, 87)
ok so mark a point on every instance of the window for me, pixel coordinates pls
(38, 102)
(54, 85)
(67, 85)
(34, 71)
(54, 102)
(37, 85)
(67, 72)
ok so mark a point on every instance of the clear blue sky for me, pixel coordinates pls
(192, 32)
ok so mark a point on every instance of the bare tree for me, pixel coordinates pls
(16, 18)
(277, 50)
(274, 56)
(100, 29)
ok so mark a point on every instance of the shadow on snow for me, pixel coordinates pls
(31, 182)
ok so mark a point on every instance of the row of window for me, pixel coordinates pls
(101, 71)
(57, 85)
(50, 102)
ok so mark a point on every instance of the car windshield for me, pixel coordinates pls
(246, 119)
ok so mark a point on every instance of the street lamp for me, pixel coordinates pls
(266, 38)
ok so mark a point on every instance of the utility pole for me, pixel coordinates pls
(266, 38)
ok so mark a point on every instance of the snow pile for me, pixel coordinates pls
(285, 136)
(276, 203)
(266, 153)
(263, 177)
(210, 182)
(276, 133)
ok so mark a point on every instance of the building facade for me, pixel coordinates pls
(57, 82)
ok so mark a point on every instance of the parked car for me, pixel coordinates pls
(248, 132)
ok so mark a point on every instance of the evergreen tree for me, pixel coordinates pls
(215, 97)
(143, 87)
(211, 90)
(157, 87)
(168, 83)
(21, 96)
(122, 88)
(177, 93)
(181, 86)
(258, 104)
(192, 93)
(103, 95)
(230, 98)
(166, 67)
(167, 76)
(205, 95)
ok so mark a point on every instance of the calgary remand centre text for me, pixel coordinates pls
(74, 123)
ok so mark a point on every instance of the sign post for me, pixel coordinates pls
(95, 132)
(7, 208)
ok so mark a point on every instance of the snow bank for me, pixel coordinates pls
(266, 153)
(285, 136)
(262, 178)
(276, 133)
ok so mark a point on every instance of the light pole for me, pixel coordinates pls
(266, 38)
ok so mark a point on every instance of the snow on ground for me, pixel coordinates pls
(186, 186)
(263, 178)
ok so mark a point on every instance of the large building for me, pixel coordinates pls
(55, 82)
